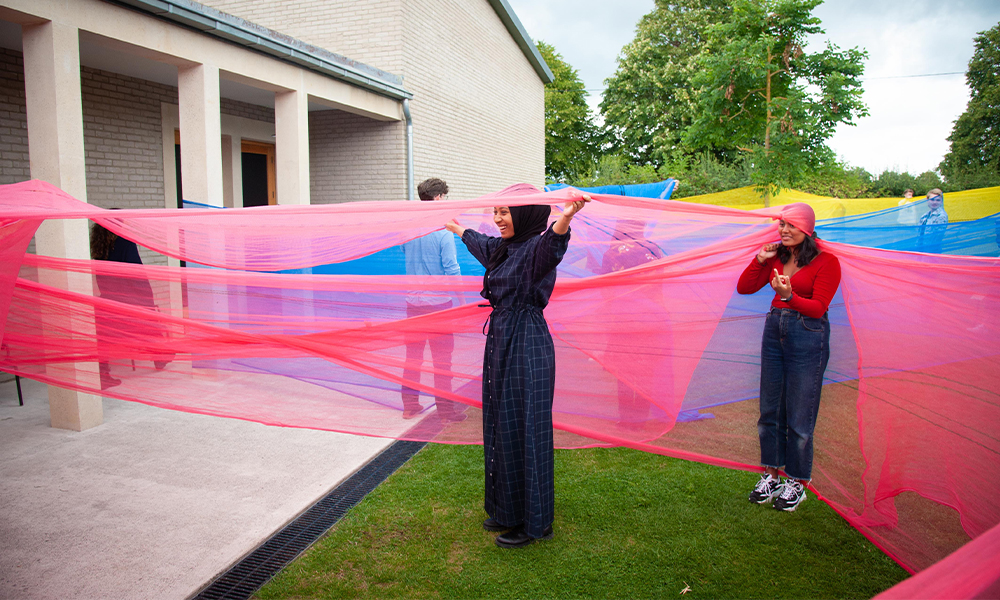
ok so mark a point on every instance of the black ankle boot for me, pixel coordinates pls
(517, 538)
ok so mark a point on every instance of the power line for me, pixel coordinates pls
(601, 90)
(911, 76)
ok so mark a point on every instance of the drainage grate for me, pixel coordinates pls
(248, 575)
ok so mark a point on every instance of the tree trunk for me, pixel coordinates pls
(767, 125)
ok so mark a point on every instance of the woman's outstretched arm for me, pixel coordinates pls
(561, 226)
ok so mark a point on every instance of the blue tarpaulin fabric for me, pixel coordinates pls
(660, 189)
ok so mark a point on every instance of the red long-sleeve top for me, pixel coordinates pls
(813, 286)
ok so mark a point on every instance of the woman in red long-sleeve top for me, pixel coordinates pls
(794, 352)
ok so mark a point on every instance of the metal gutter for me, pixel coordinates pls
(245, 33)
(517, 31)
(409, 149)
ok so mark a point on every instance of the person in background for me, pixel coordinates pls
(795, 350)
(908, 214)
(519, 367)
(630, 249)
(105, 245)
(432, 254)
(933, 224)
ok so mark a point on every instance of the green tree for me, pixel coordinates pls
(614, 169)
(648, 101)
(760, 93)
(570, 134)
(975, 139)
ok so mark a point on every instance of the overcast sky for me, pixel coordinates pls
(910, 117)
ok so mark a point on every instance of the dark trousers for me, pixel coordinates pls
(442, 347)
(794, 353)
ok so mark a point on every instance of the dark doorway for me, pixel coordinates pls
(255, 188)
(177, 171)
(259, 173)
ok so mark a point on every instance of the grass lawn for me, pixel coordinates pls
(628, 525)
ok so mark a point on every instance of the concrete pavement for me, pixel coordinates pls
(153, 503)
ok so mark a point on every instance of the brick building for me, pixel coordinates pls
(137, 103)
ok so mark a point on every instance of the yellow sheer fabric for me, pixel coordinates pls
(961, 206)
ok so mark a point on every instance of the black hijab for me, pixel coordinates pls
(528, 221)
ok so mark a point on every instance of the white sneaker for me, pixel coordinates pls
(790, 496)
(766, 489)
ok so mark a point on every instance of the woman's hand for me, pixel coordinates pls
(561, 226)
(767, 252)
(574, 207)
(782, 284)
(454, 227)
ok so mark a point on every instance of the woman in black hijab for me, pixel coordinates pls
(519, 367)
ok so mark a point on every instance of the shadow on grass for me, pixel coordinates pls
(628, 525)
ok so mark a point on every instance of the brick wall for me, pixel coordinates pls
(355, 158)
(122, 139)
(13, 119)
(478, 105)
(368, 31)
(242, 109)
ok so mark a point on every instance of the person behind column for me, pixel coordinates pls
(795, 350)
(933, 224)
(105, 245)
(519, 367)
(432, 254)
(907, 214)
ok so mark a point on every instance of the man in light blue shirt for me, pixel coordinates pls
(432, 254)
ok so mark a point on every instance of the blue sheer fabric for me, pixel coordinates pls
(897, 229)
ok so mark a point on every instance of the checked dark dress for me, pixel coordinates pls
(519, 371)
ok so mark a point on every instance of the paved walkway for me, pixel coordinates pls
(153, 503)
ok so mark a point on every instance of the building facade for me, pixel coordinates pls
(143, 103)
(478, 97)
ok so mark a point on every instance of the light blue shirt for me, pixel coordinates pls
(432, 254)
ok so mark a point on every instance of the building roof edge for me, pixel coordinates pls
(239, 31)
(517, 31)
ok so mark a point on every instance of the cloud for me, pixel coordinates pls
(910, 117)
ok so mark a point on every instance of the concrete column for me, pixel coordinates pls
(55, 149)
(201, 132)
(227, 171)
(291, 129)
(236, 158)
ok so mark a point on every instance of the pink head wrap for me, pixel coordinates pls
(800, 215)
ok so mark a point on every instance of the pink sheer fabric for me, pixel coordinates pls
(972, 571)
(800, 215)
(655, 350)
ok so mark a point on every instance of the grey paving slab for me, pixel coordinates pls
(153, 503)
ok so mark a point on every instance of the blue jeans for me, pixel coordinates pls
(793, 357)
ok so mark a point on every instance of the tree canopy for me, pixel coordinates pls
(759, 92)
(570, 134)
(648, 102)
(975, 139)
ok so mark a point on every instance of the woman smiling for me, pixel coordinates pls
(519, 367)
(794, 352)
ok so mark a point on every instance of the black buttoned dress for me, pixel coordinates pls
(519, 370)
